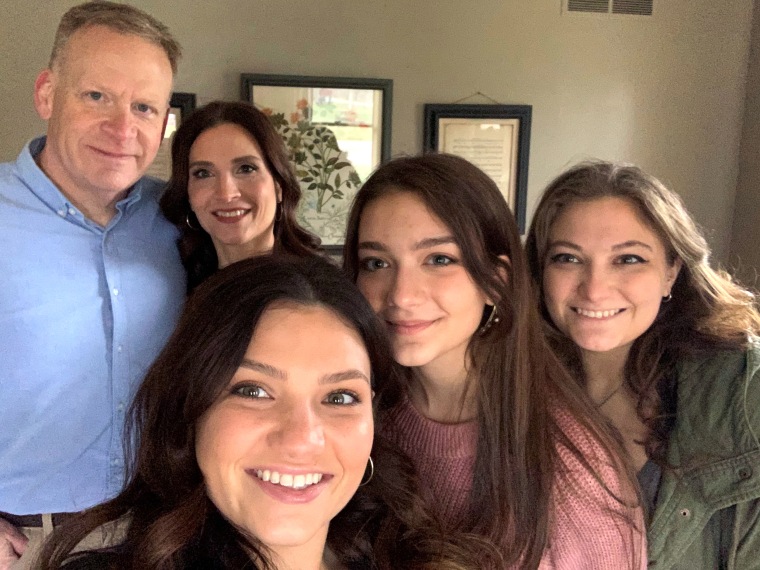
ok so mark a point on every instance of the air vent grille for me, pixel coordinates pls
(602, 6)
(628, 7)
(634, 7)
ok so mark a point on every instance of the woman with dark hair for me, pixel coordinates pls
(233, 192)
(665, 347)
(506, 448)
(254, 429)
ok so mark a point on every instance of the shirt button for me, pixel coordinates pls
(62, 213)
(119, 348)
(744, 473)
(120, 407)
(115, 462)
(115, 291)
(72, 211)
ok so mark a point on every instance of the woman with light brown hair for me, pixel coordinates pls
(664, 347)
(507, 450)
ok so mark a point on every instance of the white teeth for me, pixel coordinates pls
(288, 480)
(229, 214)
(597, 314)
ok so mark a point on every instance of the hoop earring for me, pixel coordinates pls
(189, 222)
(371, 472)
(667, 298)
(493, 318)
(278, 212)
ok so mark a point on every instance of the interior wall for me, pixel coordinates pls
(666, 91)
(745, 242)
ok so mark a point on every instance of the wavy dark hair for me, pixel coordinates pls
(172, 523)
(195, 245)
(708, 310)
(519, 380)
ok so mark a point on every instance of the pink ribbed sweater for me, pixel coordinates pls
(585, 533)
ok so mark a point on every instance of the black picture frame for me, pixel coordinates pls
(516, 117)
(292, 126)
(185, 102)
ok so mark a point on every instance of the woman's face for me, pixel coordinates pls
(287, 443)
(605, 274)
(231, 190)
(410, 270)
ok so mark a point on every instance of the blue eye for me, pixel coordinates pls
(342, 398)
(372, 264)
(251, 391)
(441, 259)
(564, 258)
(143, 108)
(94, 95)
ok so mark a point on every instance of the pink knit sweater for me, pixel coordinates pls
(585, 533)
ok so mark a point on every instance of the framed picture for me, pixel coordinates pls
(496, 138)
(337, 130)
(181, 105)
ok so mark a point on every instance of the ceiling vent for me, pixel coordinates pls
(627, 7)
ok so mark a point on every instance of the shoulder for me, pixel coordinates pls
(719, 397)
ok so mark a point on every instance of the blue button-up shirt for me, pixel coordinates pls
(84, 310)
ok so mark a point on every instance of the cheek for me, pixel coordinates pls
(373, 289)
(354, 440)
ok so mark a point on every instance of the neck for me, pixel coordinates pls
(229, 254)
(604, 372)
(313, 555)
(99, 206)
(444, 396)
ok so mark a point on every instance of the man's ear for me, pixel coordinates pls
(44, 88)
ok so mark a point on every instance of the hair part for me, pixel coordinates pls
(196, 247)
(708, 309)
(121, 18)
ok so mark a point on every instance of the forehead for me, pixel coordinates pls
(101, 51)
(604, 221)
(225, 140)
(400, 213)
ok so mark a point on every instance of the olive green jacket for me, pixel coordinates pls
(708, 516)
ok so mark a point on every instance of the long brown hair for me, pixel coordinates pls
(708, 309)
(518, 378)
(172, 523)
(195, 245)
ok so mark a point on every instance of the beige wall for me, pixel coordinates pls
(745, 243)
(666, 92)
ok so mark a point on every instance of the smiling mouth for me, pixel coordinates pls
(288, 480)
(597, 314)
(230, 213)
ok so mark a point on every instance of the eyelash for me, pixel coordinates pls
(349, 393)
(241, 391)
(366, 264)
(238, 391)
(448, 260)
(625, 259)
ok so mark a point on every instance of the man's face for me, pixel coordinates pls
(105, 101)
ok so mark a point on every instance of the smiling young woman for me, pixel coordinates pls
(508, 453)
(254, 430)
(665, 347)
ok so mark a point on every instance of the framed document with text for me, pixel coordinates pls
(496, 138)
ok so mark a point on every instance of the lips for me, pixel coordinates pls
(597, 314)
(290, 488)
(408, 327)
(230, 216)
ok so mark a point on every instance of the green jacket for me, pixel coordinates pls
(708, 517)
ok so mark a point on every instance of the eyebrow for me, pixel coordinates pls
(237, 160)
(617, 247)
(422, 244)
(333, 378)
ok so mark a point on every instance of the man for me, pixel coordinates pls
(91, 283)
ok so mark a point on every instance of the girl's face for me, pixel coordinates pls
(411, 272)
(287, 443)
(231, 190)
(605, 274)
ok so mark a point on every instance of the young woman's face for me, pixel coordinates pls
(411, 272)
(287, 443)
(605, 274)
(231, 190)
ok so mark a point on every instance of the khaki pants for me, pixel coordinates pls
(107, 535)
